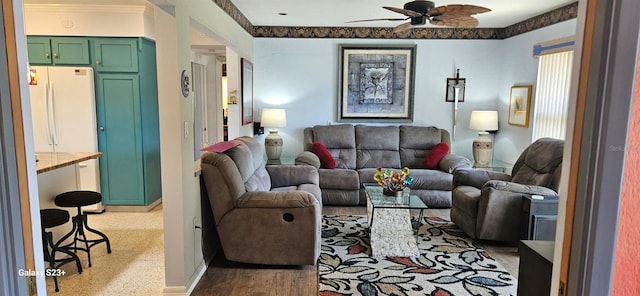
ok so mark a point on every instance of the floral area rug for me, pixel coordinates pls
(450, 263)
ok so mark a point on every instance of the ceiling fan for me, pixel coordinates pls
(421, 11)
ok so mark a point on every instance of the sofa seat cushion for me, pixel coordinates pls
(339, 179)
(422, 178)
(431, 179)
(311, 188)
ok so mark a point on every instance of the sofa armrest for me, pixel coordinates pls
(277, 199)
(308, 158)
(476, 178)
(449, 163)
(292, 175)
(520, 188)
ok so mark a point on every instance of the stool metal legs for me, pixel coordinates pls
(54, 263)
(79, 224)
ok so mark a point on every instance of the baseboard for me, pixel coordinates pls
(183, 290)
(201, 269)
(133, 208)
(175, 290)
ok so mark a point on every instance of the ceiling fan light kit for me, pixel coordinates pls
(418, 12)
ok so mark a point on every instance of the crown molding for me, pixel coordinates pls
(567, 12)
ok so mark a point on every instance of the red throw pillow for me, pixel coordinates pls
(436, 154)
(323, 154)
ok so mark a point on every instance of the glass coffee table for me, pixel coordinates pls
(390, 223)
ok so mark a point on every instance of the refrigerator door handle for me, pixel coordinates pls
(47, 113)
(54, 127)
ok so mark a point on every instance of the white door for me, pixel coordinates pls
(39, 104)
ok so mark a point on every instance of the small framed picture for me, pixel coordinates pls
(520, 105)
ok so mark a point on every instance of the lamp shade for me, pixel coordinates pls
(273, 118)
(484, 120)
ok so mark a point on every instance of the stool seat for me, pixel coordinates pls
(53, 217)
(77, 198)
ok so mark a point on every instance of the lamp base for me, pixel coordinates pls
(482, 150)
(273, 145)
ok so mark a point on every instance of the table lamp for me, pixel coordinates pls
(273, 119)
(483, 121)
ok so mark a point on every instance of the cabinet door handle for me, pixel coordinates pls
(97, 62)
(55, 55)
(46, 55)
(102, 128)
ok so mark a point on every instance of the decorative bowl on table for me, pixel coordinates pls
(393, 183)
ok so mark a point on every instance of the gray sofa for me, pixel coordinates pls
(263, 215)
(488, 205)
(358, 150)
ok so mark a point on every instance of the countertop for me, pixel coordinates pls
(48, 161)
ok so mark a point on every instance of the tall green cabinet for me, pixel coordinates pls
(126, 106)
(128, 126)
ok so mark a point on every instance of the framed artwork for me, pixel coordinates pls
(376, 83)
(520, 105)
(452, 84)
(247, 91)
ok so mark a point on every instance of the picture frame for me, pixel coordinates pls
(520, 105)
(452, 83)
(246, 88)
(376, 83)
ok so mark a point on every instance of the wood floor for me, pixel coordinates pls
(230, 278)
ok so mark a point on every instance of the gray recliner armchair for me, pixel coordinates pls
(488, 205)
(263, 214)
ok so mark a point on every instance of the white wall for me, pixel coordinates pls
(520, 67)
(301, 75)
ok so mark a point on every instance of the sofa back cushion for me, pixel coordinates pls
(248, 157)
(417, 141)
(377, 146)
(338, 139)
(540, 164)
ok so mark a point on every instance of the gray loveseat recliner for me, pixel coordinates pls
(359, 150)
(488, 205)
(263, 215)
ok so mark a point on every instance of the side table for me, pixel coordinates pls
(536, 265)
(495, 165)
(539, 217)
(282, 160)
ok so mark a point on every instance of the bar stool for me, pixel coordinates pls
(79, 199)
(50, 218)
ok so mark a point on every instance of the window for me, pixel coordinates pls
(552, 95)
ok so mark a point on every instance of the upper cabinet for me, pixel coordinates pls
(58, 50)
(115, 54)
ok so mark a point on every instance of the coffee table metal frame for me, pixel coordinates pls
(381, 201)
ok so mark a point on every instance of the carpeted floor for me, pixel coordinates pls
(450, 263)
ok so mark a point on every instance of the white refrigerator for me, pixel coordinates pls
(64, 118)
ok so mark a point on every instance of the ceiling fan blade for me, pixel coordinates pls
(457, 10)
(460, 22)
(406, 12)
(403, 27)
(379, 19)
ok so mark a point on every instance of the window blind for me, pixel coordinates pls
(552, 95)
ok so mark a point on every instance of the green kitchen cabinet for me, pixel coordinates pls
(128, 132)
(45, 50)
(116, 54)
